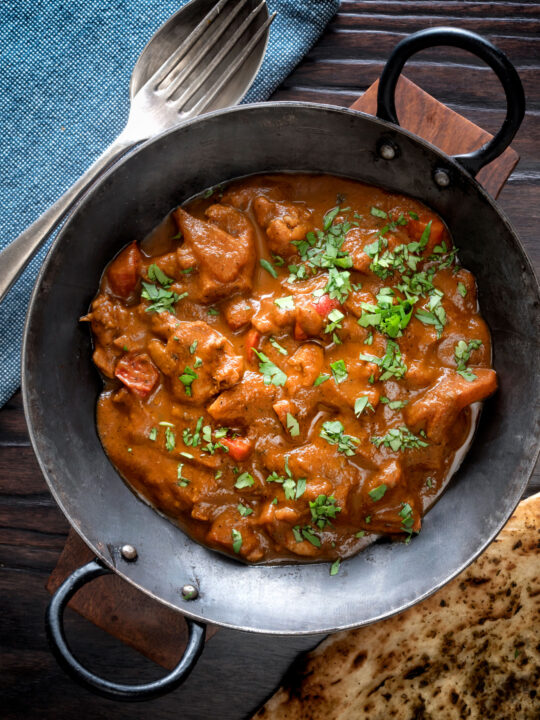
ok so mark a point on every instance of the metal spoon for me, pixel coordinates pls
(178, 75)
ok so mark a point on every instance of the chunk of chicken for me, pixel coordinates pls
(283, 222)
(438, 408)
(249, 399)
(188, 343)
(222, 250)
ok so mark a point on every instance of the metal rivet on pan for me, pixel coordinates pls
(387, 151)
(441, 177)
(189, 592)
(128, 552)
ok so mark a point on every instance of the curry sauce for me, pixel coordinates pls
(290, 364)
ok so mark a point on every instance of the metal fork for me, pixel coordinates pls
(164, 100)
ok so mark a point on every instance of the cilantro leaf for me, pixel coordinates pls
(360, 404)
(378, 492)
(244, 480)
(332, 432)
(272, 374)
(237, 540)
(285, 303)
(268, 267)
(339, 371)
(292, 425)
(323, 510)
(400, 438)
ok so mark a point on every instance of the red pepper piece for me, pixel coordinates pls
(137, 372)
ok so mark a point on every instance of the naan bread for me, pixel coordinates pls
(472, 650)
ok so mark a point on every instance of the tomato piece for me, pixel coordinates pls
(325, 304)
(253, 339)
(299, 333)
(123, 272)
(239, 448)
(137, 372)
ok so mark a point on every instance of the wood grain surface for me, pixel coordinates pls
(237, 670)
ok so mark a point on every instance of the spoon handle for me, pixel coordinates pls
(18, 253)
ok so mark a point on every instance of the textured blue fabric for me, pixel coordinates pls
(65, 67)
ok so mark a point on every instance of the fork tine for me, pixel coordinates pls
(226, 76)
(203, 51)
(173, 60)
(231, 42)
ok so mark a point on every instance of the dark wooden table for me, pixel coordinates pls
(237, 671)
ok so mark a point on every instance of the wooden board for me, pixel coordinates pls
(420, 113)
(114, 605)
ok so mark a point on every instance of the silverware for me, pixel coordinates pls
(178, 75)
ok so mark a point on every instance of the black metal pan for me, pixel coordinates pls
(61, 385)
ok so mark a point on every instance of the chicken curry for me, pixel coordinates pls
(292, 366)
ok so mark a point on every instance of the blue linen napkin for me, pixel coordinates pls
(65, 67)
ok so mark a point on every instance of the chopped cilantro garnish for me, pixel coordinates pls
(244, 480)
(429, 482)
(386, 316)
(322, 249)
(360, 534)
(407, 520)
(332, 432)
(378, 492)
(335, 317)
(391, 363)
(338, 285)
(212, 311)
(156, 274)
(394, 404)
(292, 489)
(161, 300)
(334, 569)
(399, 439)
(435, 314)
(272, 374)
(278, 260)
(187, 378)
(207, 433)
(182, 481)
(192, 439)
(193, 347)
(339, 371)
(243, 510)
(462, 354)
(306, 533)
(198, 362)
(360, 404)
(285, 303)
(292, 425)
(152, 435)
(274, 343)
(424, 239)
(376, 212)
(322, 378)
(323, 510)
(413, 215)
(268, 267)
(170, 439)
(462, 290)
(237, 540)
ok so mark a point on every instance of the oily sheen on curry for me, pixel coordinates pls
(289, 366)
